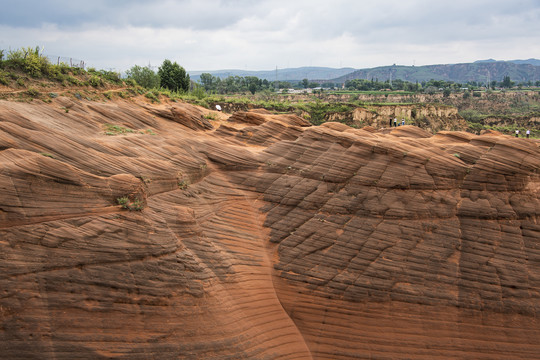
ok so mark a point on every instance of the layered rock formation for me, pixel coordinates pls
(433, 118)
(261, 237)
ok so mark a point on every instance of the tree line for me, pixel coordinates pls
(428, 86)
(174, 77)
(169, 76)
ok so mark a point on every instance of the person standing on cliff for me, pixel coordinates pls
(517, 133)
(390, 122)
(528, 133)
(395, 122)
(402, 122)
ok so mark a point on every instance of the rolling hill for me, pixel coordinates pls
(478, 71)
(319, 73)
(481, 71)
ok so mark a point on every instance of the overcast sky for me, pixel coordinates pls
(263, 34)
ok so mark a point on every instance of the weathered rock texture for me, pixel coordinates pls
(431, 117)
(262, 239)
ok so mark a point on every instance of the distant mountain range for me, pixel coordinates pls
(481, 71)
(534, 62)
(319, 73)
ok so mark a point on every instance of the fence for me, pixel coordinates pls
(57, 60)
(53, 59)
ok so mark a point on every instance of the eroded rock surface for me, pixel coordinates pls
(261, 237)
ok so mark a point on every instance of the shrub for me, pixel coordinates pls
(32, 92)
(73, 80)
(136, 205)
(143, 76)
(152, 96)
(3, 78)
(95, 81)
(111, 76)
(130, 82)
(183, 184)
(124, 201)
(199, 92)
(472, 115)
(29, 60)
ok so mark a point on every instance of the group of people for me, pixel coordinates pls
(396, 124)
(527, 133)
(402, 123)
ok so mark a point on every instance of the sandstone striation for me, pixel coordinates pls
(260, 237)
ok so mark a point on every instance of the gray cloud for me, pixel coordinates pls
(213, 34)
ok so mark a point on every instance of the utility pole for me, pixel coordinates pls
(277, 85)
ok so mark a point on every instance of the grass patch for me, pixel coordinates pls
(183, 184)
(152, 95)
(112, 130)
(32, 92)
(126, 203)
(47, 155)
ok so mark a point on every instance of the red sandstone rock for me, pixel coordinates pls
(266, 239)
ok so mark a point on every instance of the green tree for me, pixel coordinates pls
(208, 81)
(305, 83)
(173, 76)
(144, 76)
(253, 83)
(507, 83)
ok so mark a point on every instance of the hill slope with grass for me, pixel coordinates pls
(460, 73)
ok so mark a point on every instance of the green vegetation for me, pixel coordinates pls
(153, 95)
(4, 78)
(126, 203)
(32, 92)
(235, 84)
(47, 155)
(27, 70)
(183, 184)
(24, 64)
(112, 130)
(509, 129)
(95, 81)
(173, 77)
(144, 76)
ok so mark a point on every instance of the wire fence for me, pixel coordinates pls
(53, 59)
(57, 60)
